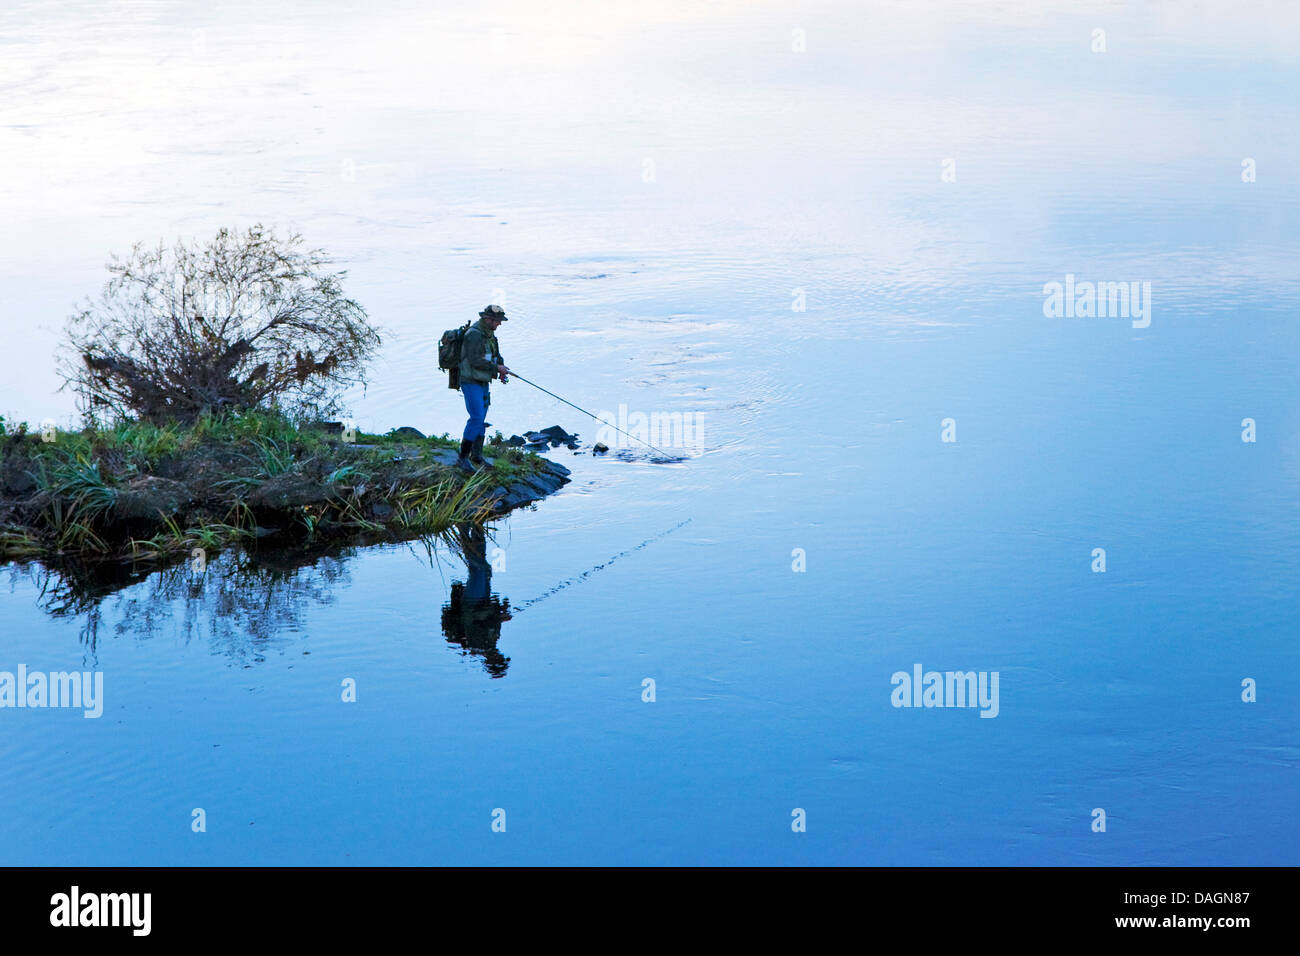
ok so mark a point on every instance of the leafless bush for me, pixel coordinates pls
(247, 320)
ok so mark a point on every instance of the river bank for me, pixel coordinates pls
(136, 490)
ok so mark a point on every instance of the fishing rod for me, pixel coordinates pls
(585, 412)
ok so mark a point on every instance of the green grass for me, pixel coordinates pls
(20, 543)
(80, 476)
(436, 507)
(176, 540)
(274, 458)
(74, 496)
(144, 443)
(244, 427)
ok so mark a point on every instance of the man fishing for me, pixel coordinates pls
(472, 359)
(480, 362)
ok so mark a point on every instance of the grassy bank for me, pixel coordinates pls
(140, 490)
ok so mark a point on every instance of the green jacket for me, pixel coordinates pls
(479, 355)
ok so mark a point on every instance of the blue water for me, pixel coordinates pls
(455, 156)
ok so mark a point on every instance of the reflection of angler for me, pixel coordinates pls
(473, 615)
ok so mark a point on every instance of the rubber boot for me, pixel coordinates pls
(462, 461)
(476, 453)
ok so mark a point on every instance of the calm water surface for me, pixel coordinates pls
(654, 192)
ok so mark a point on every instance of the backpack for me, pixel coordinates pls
(449, 349)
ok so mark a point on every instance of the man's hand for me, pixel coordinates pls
(502, 372)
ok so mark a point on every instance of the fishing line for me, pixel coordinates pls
(585, 412)
(590, 571)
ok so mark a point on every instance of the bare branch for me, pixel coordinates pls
(235, 323)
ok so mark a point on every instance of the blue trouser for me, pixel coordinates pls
(476, 403)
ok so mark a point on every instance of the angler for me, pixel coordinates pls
(472, 358)
(480, 363)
